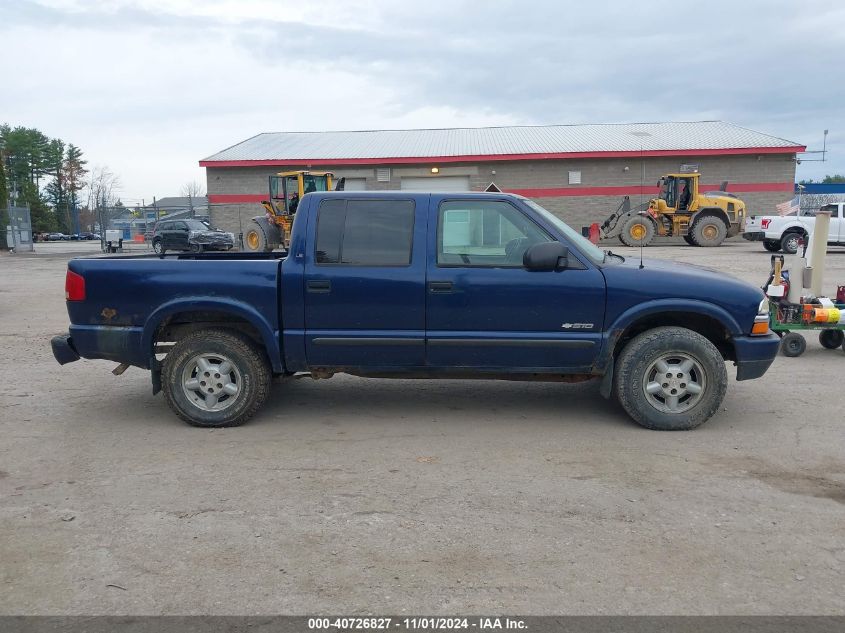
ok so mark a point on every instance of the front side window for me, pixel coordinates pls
(365, 232)
(484, 233)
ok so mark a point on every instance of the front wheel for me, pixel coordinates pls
(773, 246)
(158, 247)
(670, 379)
(793, 344)
(689, 240)
(789, 243)
(215, 378)
(638, 231)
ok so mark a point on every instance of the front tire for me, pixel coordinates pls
(689, 240)
(670, 379)
(158, 247)
(215, 378)
(638, 231)
(789, 243)
(793, 345)
(256, 241)
(773, 246)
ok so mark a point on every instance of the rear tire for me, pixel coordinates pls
(773, 246)
(789, 243)
(709, 230)
(793, 345)
(655, 375)
(689, 240)
(638, 231)
(215, 378)
(158, 247)
(831, 339)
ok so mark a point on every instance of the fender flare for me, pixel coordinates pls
(271, 339)
(634, 313)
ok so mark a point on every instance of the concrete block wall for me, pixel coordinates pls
(577, 210)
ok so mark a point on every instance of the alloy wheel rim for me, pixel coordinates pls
(674, 383)
(211, 382)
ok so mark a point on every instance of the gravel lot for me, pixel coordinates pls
(356, 496)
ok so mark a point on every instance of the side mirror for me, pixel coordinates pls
(546, 256)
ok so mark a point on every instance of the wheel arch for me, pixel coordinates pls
(176, 318)
(709, 320)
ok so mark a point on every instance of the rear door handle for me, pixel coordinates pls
(319, 285)
(440, 287)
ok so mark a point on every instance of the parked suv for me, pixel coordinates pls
(189, 235)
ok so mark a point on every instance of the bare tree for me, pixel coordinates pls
(102, 189)
(191, 190)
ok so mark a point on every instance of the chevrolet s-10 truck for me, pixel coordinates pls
(420, 285)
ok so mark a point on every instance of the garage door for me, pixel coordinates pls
(355, 184)
(437, 183)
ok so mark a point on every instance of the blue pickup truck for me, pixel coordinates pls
(420, 285)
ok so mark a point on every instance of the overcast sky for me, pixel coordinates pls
(149, 87)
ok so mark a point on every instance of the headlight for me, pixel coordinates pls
(763, 308)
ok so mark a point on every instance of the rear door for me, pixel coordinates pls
(485, 310)
(365, 282)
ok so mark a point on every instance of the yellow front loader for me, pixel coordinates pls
(702, 219)
(272, 230)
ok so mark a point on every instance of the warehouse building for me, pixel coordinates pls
(580, 172)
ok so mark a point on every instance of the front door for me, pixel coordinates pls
(365, 283)
(485, 310)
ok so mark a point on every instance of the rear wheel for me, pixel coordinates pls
(793, 344)
(831, 339)
(215, 378)
(638, 231)
(689, 240)
(709, 230)
(158, 247)
(773, 246)
(670, 379)
(789, 243)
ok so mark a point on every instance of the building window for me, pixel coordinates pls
(365, 232)
(575, 178)
(383, 174)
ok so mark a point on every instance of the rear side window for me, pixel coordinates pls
(365, 232)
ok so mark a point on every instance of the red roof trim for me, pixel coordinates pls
(559, 192)
(500, 157)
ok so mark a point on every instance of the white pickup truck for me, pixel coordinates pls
(783, 232)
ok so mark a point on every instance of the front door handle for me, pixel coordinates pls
(440, 287)
(319, 285)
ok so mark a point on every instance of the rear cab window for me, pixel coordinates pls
(360, 232)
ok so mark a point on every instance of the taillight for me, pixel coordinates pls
(74, 286)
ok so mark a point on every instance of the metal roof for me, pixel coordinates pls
(498, 143)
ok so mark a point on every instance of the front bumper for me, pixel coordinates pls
(755, 354)
(63, 349)
(754, 236)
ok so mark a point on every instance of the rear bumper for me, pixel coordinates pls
(755, 354)
(63, 349)
(754, 236)
(120, 344)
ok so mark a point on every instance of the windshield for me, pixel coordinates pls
(197, 225)
(593, 252)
